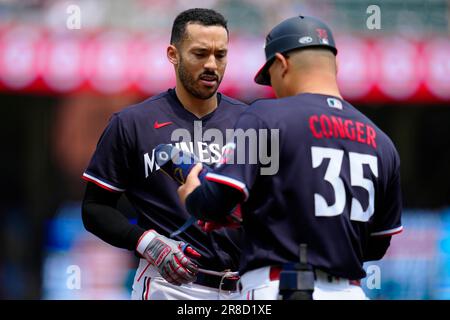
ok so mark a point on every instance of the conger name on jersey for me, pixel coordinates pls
(326, 127)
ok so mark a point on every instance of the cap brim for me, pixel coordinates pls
(262, 76)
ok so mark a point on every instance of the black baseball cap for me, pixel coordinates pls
(294, 33)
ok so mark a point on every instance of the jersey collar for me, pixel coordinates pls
(184, 113)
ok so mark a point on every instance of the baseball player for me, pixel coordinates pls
(196, 264)
(337, 188)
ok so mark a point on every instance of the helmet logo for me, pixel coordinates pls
(323, 36)
(305, 40)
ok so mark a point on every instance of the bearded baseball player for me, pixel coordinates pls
(196, 264)
(336, 193)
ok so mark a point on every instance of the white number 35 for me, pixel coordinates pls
(357, 160)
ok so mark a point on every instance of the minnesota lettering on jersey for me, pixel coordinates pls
(207, 153)
(250, 142)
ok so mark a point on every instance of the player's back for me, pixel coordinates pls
(335, 186)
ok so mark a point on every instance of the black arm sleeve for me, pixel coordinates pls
(376, 248)
(212, 201)
(101, 218)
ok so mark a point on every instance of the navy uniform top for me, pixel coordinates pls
(336, 186)
(124, 161)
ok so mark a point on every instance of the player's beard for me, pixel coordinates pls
(192, 85)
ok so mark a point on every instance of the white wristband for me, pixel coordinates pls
(145, 239)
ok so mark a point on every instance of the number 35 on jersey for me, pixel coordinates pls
(357, 179)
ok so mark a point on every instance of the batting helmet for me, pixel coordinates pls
(294, 33)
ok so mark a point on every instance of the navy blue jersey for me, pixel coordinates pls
(124, 161)
(337, 184)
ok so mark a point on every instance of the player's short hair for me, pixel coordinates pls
(204, 17)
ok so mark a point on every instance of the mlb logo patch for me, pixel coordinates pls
(334, 103)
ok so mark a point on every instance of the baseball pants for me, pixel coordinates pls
(258, 285)
(149, 285)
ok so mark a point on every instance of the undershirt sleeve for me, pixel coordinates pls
(102, 218)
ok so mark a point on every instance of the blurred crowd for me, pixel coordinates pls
(245, 16)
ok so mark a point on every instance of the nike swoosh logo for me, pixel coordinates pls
(160, 125)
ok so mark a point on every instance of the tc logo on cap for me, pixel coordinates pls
(323, 36)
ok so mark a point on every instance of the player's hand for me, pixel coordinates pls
(209, 226)
(233, 221)
(192, 182)
(171, 257)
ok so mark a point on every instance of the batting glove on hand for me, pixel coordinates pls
(171, 257)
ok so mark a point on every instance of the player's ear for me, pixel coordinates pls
(282, 62)
(172, 54)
